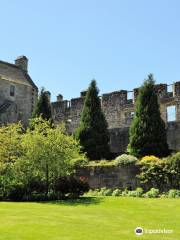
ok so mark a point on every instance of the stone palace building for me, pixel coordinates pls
(18, 95)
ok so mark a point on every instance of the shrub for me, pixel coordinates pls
(100, 192)
(150, 159)
(139, 192)
(152, 193)
(164, 195)
(172, 169)
(71, 187)
(92, 193)
(131, 194)
(17, 192)
(35, 185)
(79, 162)
(174, 193)
(108, 192)
(152, 173)
(102, 163)
(52, 196)
(125, 160)
(116, 192)
(105, 192)
(124, 193)
(136, 193)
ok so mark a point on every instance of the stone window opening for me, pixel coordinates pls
(128, 117)
(68, 104)
(12, 90)
(129, 95)
(160, 93)
(171, 113)
(170, 88)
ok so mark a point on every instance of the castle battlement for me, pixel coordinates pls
(119, 107)
(117, 98)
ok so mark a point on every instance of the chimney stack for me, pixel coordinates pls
(59, 98)
(22, 62)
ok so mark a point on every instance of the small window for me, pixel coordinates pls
(170, 88)
(129, 95)
(12, 91)
(171, 113)
(128, 117)
(132, 114)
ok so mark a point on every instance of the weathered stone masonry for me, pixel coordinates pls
(119, 111)
(18, 93)
(110, 176)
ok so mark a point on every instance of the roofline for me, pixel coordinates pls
(29, 79)
(9, 64)
(25, 73)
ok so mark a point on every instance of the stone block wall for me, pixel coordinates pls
(110, 176)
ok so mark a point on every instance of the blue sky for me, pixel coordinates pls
(68, 42)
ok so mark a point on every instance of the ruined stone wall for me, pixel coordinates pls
(119, 112)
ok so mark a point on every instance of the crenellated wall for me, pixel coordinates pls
(119, 112)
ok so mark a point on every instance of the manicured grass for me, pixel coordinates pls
(109, 218)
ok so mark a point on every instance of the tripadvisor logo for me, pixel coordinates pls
(141, 231)
(138, 231)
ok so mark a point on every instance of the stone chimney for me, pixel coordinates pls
(59, 98)
(22, 62)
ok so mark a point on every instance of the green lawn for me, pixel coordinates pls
(109, 218)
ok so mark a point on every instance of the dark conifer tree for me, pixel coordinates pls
(92, 131)
(147, 135)
(43, 106)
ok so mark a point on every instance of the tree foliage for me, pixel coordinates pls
(43, 106)
(152, 172)
(92, 131)
(31, 161)
(147, 135)
(10, 151)
(49, 152)
(161, 173)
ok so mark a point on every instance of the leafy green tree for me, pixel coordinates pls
(43, 106)
(147, 135)
(92, 131)
(10, 151)
(48, 152)
(32, 161)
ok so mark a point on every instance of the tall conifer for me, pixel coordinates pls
(92, 131)
(43, 106)
(147, 135)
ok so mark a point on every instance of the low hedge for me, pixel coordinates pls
(138, 192)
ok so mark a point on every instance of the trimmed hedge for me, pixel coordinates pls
(139, 192)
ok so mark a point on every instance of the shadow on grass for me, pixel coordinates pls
(74, 202)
